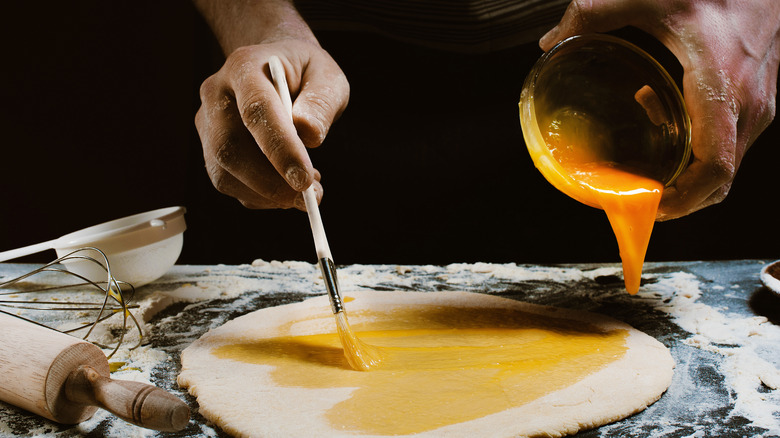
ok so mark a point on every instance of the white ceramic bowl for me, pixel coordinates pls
(140, 248)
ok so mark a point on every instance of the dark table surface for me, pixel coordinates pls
(720, 323)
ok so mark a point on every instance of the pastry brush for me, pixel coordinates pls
(360, 356)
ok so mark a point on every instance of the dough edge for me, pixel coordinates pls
(578, 407)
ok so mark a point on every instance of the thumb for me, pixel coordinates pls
(321, 100)
(586, 16)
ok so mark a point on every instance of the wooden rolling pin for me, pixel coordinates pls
(66, 380)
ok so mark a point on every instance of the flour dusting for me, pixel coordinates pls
(745, 343)
(728, 367)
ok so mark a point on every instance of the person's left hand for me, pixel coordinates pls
(729, 51)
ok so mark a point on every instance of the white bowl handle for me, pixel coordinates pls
(26, 250)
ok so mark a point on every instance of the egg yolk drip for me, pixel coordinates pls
(631, 203)
(578, 165)
(441, 365)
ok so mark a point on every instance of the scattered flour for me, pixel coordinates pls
(513, 272)
(746, 346)
(740, 340)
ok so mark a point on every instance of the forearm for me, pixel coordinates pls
(241, 23)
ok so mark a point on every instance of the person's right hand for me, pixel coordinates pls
(253, 152)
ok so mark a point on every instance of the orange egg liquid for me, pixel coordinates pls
(631, 203)
(573, 153)
(442, 364)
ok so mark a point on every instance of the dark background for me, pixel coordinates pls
(427, 165)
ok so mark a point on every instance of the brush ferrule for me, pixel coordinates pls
(331, 284)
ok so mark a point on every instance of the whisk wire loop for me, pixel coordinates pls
(116, 296)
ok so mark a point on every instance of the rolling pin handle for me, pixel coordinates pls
(135, 402)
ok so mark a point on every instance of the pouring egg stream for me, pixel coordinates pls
(605, 124)
(629, 199)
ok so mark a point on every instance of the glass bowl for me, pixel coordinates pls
(599, 99)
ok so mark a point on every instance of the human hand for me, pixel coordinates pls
(729, 51)
(253, 152)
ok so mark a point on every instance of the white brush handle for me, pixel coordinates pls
(280, 83)
(315, 220)
(309, 195)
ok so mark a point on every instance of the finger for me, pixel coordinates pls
(227, 184)
(714, 114)
(264, 116)
(584, 16)
(228, 145)
(320, 101)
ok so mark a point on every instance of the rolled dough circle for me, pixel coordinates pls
(244, 399)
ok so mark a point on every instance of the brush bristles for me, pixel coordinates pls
(361, 356)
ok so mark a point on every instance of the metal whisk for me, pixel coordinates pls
(41, 290)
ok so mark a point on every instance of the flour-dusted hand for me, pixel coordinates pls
(251, 149)
(729, 52)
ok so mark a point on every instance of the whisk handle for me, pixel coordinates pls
(135, 402)
(26, 250)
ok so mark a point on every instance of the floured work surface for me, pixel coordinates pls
(454, 364)
(713, 316)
